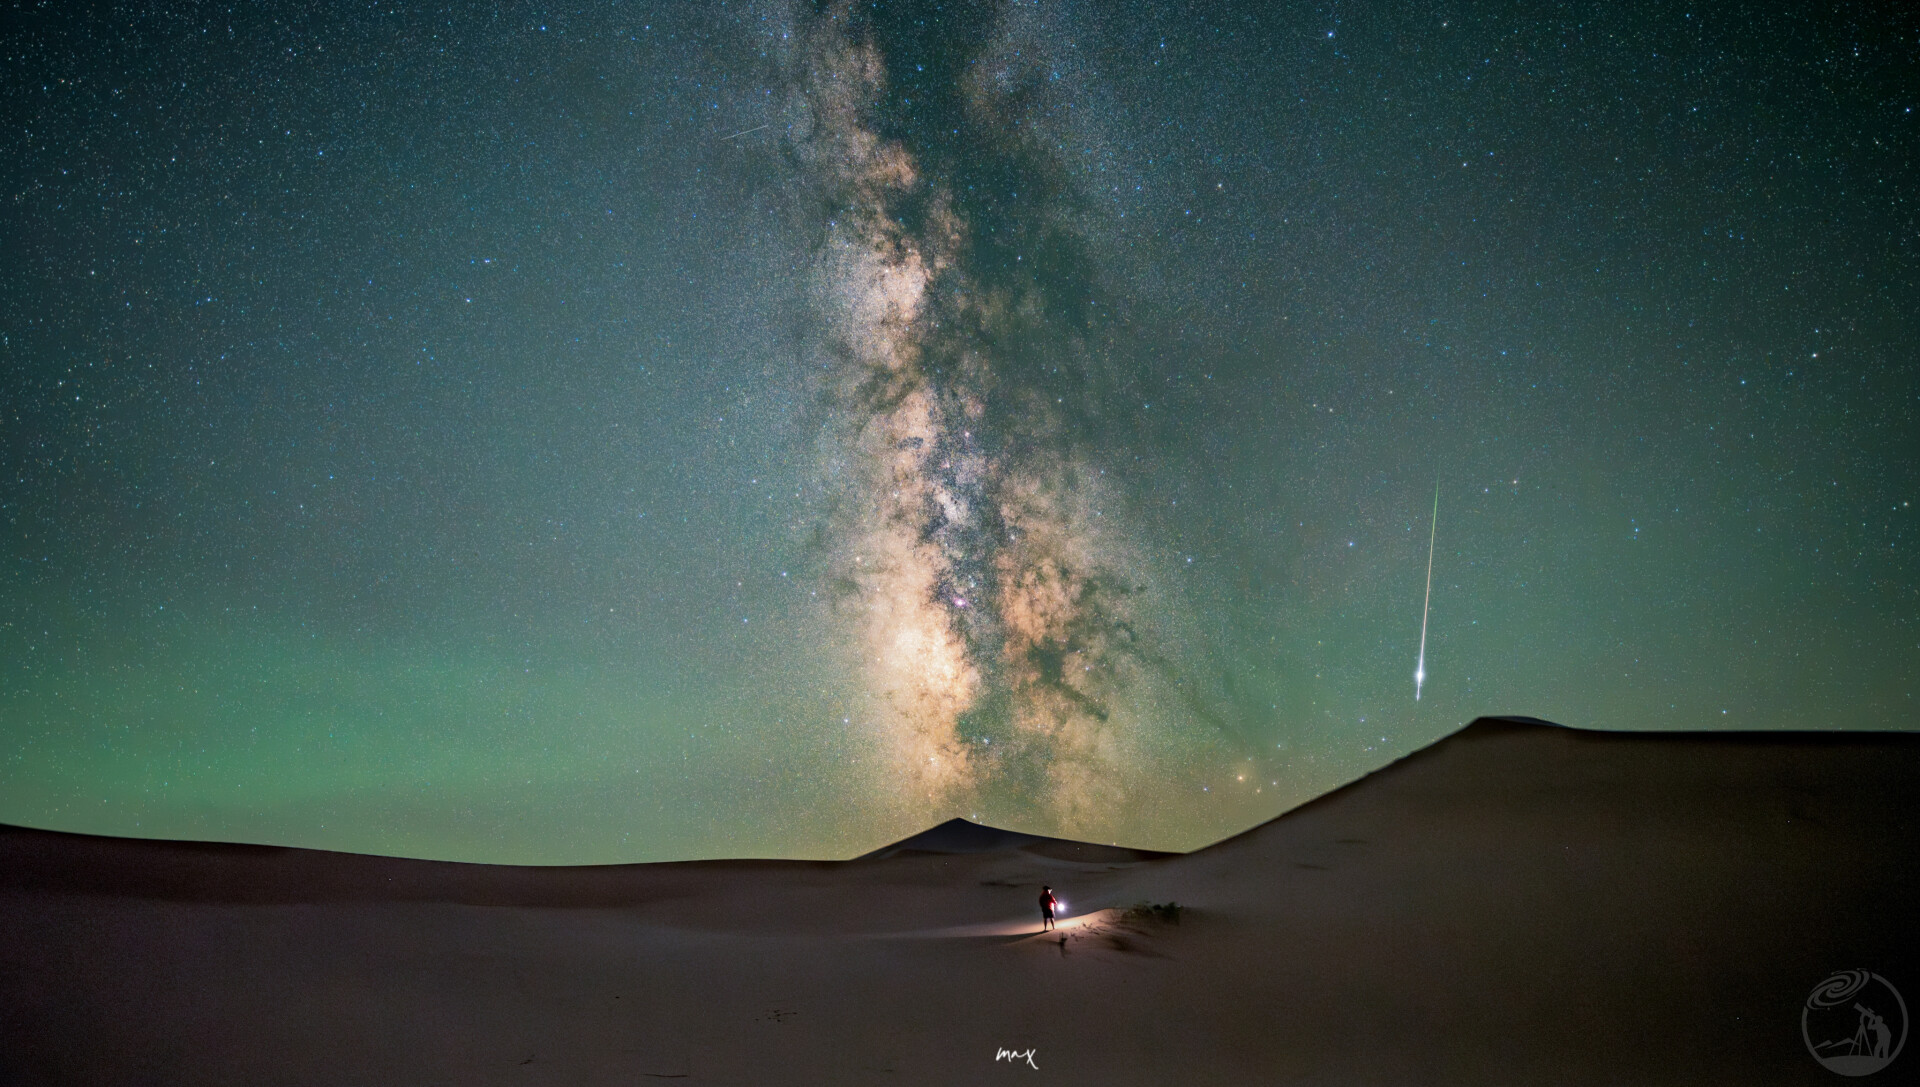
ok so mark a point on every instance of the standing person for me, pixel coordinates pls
(1047, 904)
(1882, 1035)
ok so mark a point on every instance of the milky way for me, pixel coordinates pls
(625, 432)
(991, 607)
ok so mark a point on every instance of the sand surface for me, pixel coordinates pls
(1516, 904)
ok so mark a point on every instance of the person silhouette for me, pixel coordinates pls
(1882, 1035)
(1047, 904)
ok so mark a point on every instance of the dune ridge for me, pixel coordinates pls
(1516, 903)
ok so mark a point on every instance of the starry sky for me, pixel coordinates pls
(638, 432)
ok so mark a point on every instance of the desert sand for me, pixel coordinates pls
(1518, 903)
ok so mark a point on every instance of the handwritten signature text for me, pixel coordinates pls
(1016, 1055)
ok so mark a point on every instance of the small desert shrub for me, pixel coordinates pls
(1149, 911)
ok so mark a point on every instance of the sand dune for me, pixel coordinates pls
(1518, 903)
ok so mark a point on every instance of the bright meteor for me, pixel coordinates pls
(1420, 669)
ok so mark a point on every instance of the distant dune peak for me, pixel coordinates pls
(956, 835)
(959, 836)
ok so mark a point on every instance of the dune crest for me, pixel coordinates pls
(1517, 902)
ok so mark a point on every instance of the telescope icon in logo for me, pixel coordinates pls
(1854, 1023)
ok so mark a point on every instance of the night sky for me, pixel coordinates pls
(649, 432)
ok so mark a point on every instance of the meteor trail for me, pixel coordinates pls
(1420, 670)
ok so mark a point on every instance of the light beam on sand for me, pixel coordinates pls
(1433, 525)
(1023, 927)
